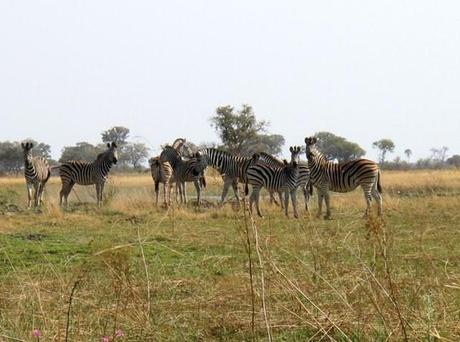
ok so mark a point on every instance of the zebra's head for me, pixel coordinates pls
(27, 150)
(295, 152)
(200, 165)
(111, 154)
(310, 147)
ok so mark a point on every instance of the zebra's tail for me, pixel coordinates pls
(379, 186)
(246, 188)
(203, 181)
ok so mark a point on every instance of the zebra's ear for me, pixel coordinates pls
(114, 144)
(291, 149)
(22, 145)
(31, 145)
(108, 145)
(314, 140)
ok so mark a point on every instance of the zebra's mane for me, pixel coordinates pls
(271, 159)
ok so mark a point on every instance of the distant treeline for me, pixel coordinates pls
(239, 132)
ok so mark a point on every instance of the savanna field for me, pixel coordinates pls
(130, 271)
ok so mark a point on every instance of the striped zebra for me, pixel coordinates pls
(85, 173)
(162, 172)
(37, 172)
(342, 177)
(233, 169)
(189, 170)
(303, 181)
(279, 179)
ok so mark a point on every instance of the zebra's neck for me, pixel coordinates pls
(317, 160)
(28, 165)
(104, 165)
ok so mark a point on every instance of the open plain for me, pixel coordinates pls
(214, 273)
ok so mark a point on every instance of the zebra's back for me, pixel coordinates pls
(347, 176)
(272, 178)
(79, 172)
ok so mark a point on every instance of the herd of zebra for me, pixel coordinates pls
(178, 164)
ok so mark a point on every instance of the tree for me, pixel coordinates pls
(236, 129)
(11, 157)
(408, 153)
(385, 146)
(454, 160)
(118, 134)
(81, 151)
(135, 154)
(241, 133)
(439, 154)
(336, 147)
(268, 143)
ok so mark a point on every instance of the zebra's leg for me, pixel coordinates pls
(102, 193)
(36, 193)
(29, 195)
(184, 190)
(157, 192)
(368, 199)
(257, 199)
(320, 203)
(65, 191)
(42, 189)
(294, 202)
(235, 190)
(306, 196)
(98, 194)
(378, 198)
(328, 205)
(198, 191)
(286, 203)
(227, 182)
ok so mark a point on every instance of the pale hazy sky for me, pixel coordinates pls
(364, 70)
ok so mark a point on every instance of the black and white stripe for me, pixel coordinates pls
(342, 177)
(162, 172)
(36, 172)
(303, 180)
(232, 168)
(275, 179)
(85, 173)
(189, 170)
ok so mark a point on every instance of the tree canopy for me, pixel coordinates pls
(241, 133)
(336, 147)
(385, 146)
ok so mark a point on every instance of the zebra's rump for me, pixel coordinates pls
(78, 172)
(161, 171)
(347, 176)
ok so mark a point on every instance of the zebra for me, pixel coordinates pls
(279, 179)
(85, 173)
(36, 172)
(232, 168)
(342, 177)
(162, 172)
(189, 170)
(303, 180)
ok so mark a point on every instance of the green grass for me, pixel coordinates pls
(184, 274)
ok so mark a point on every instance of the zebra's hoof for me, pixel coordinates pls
(327, 217)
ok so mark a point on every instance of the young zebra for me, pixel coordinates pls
(303, 181)
(279, 179)
(342, 177)
(190, 170)
(162, 172)
(37, 172)
(85, 173)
